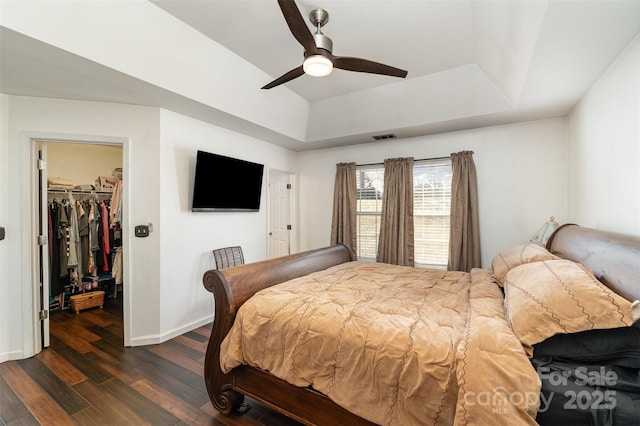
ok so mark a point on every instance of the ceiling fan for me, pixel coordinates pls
(319, 61)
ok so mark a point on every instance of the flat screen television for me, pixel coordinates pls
(226, 184)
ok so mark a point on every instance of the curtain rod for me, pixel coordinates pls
(421, 159)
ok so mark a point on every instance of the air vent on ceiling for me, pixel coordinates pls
(384, 137)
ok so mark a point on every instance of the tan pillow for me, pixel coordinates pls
(508, 259)
(560, 296)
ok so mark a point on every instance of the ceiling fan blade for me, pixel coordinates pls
(294, 73)
(364, 65)
(297, 25)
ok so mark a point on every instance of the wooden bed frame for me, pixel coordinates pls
(614, 258)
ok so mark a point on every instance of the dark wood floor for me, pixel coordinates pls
(87, 377)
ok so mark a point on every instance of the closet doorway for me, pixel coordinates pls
(80, 253)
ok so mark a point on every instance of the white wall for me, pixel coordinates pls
(604, 149)
(138, 129)
(520, 167)
(188, 237)
(163, 272)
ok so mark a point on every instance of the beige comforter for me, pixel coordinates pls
(392, 344)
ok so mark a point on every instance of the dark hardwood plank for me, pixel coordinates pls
(139, 404)
(71, 340)
(88, 377)
(80, 332)
(61, 367)
(108, 336)
(184, 350)
(47, 412)
(172, 354)
(172, 403)
(197, 345)
(194, 379)
(86, 320)
(90, 416)
(57, 317)
(126, 373)
(43, 408)
(107, 404)
(205, 330)
(197, 336)
(58, 390)
(124, 355)
(98, 317)
(114, 305)
(23, 421)
(85, 365)
(193, 396)
(116, 330)
(12, 410)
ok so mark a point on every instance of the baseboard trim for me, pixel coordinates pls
(11, 356)
(157, 339)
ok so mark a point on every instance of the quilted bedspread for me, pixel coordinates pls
(392, 344)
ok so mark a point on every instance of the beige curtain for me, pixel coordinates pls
(464, 235)
(343, 225)
(395, 245)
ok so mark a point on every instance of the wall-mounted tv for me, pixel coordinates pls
(226, 184)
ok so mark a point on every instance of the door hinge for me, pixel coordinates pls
(288, 186)
(289, 227)
(42, 165)
(42, 240)
(43, 315)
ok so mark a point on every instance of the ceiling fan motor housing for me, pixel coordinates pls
(323, 42)
(319, 18)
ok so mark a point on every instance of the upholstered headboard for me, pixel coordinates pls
(614, 258)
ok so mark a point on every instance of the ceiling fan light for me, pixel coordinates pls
(317, 66)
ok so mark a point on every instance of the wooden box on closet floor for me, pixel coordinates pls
(87, 300)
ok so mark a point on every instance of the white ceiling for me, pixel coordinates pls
(469, 63)
(424, 37)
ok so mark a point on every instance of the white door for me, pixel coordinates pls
(279, 213)
(43, 243)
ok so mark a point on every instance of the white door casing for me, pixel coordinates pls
(37, 336)
(43, 242)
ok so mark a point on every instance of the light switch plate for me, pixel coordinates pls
(142, 231)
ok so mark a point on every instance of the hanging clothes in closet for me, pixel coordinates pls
(115, 220)
(81, 243)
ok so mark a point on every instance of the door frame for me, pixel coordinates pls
(43, 250)
(29, 141)
(293, 235)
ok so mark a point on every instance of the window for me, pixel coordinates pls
(369, 183)
(431, 207)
